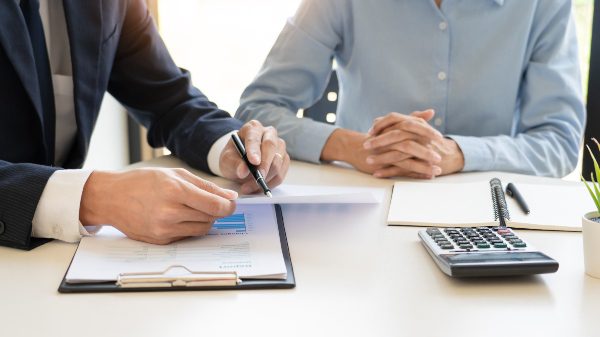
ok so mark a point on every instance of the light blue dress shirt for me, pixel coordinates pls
(502, 75)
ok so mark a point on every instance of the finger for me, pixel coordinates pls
(387, 158)
(276, 167)
(381, 123)
(410, 148)
(278, 179)
(191, 228)
(250, 187)
(251, 133)
(204, 201)
(269, 148)
(420, 127)
(206, 185)
(391, 136)
(394, 171)
(410, 166)
(187, 214)
(426, 115)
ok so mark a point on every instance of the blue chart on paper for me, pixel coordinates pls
(234, 224)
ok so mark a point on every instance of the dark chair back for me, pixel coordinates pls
(325, 108)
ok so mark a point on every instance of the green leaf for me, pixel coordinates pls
(596, 201)
(597, 169)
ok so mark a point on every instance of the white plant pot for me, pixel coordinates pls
(591, 244)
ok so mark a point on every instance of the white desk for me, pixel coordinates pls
(357, 277)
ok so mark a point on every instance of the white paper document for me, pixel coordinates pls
(309, 194)
(470, 204)
(247, 242)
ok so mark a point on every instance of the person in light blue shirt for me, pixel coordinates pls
(428, 87)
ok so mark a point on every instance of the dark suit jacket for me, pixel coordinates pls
(114, 47)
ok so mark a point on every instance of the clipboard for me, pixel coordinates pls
(188, 280)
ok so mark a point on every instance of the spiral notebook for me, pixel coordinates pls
(470, 204)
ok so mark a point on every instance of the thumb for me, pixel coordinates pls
(426, 114)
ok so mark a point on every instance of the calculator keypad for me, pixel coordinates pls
(475, 238)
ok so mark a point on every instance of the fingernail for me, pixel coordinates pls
(377, 175)
(437, 170)
(232, 194)
(367, 145)
(370, 160)
(437, 158)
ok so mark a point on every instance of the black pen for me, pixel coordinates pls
(260, 180)
(512, 190)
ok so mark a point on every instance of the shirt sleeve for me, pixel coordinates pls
(214, 154)
(295, 75)
(57, 213)
(549, 125)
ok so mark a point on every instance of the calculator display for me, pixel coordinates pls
(499, 257)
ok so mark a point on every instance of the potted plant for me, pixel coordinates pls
(591, 221)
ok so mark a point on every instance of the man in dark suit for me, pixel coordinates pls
(57, 59)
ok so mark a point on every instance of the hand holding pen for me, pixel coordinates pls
(264, 150)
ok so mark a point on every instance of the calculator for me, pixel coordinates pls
(484, 251)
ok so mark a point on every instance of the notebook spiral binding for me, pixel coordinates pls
(499, 201)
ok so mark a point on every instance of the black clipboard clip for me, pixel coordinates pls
(177, 276)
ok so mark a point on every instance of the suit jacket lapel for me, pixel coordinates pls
(17, 45)
(84, 24)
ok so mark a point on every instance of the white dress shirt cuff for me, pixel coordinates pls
(57, 213)
(214, 155)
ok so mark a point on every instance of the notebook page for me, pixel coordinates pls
(247, 242)
(470, 204)
(441, 204)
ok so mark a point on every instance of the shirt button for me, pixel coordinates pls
(441, 75)
(443, 25)
(438, 121)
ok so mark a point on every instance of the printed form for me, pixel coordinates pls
(246, 242)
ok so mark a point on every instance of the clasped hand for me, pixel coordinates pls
(162, 205)
(406, 145)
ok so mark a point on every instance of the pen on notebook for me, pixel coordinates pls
(260, 180)
(512, 191)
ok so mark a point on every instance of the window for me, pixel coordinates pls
(222, 43)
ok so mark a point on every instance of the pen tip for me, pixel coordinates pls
(269, 194)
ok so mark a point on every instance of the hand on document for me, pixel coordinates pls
(406, 145)
(154, 205)
(265, 150)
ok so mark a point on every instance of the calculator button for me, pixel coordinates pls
(500, 245)
(504, 231)
(519, 244)
(465, 246)
(432, 230)
(447, 246)
(483, 245)
(496, 241)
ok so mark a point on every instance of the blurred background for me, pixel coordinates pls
(223, 43)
